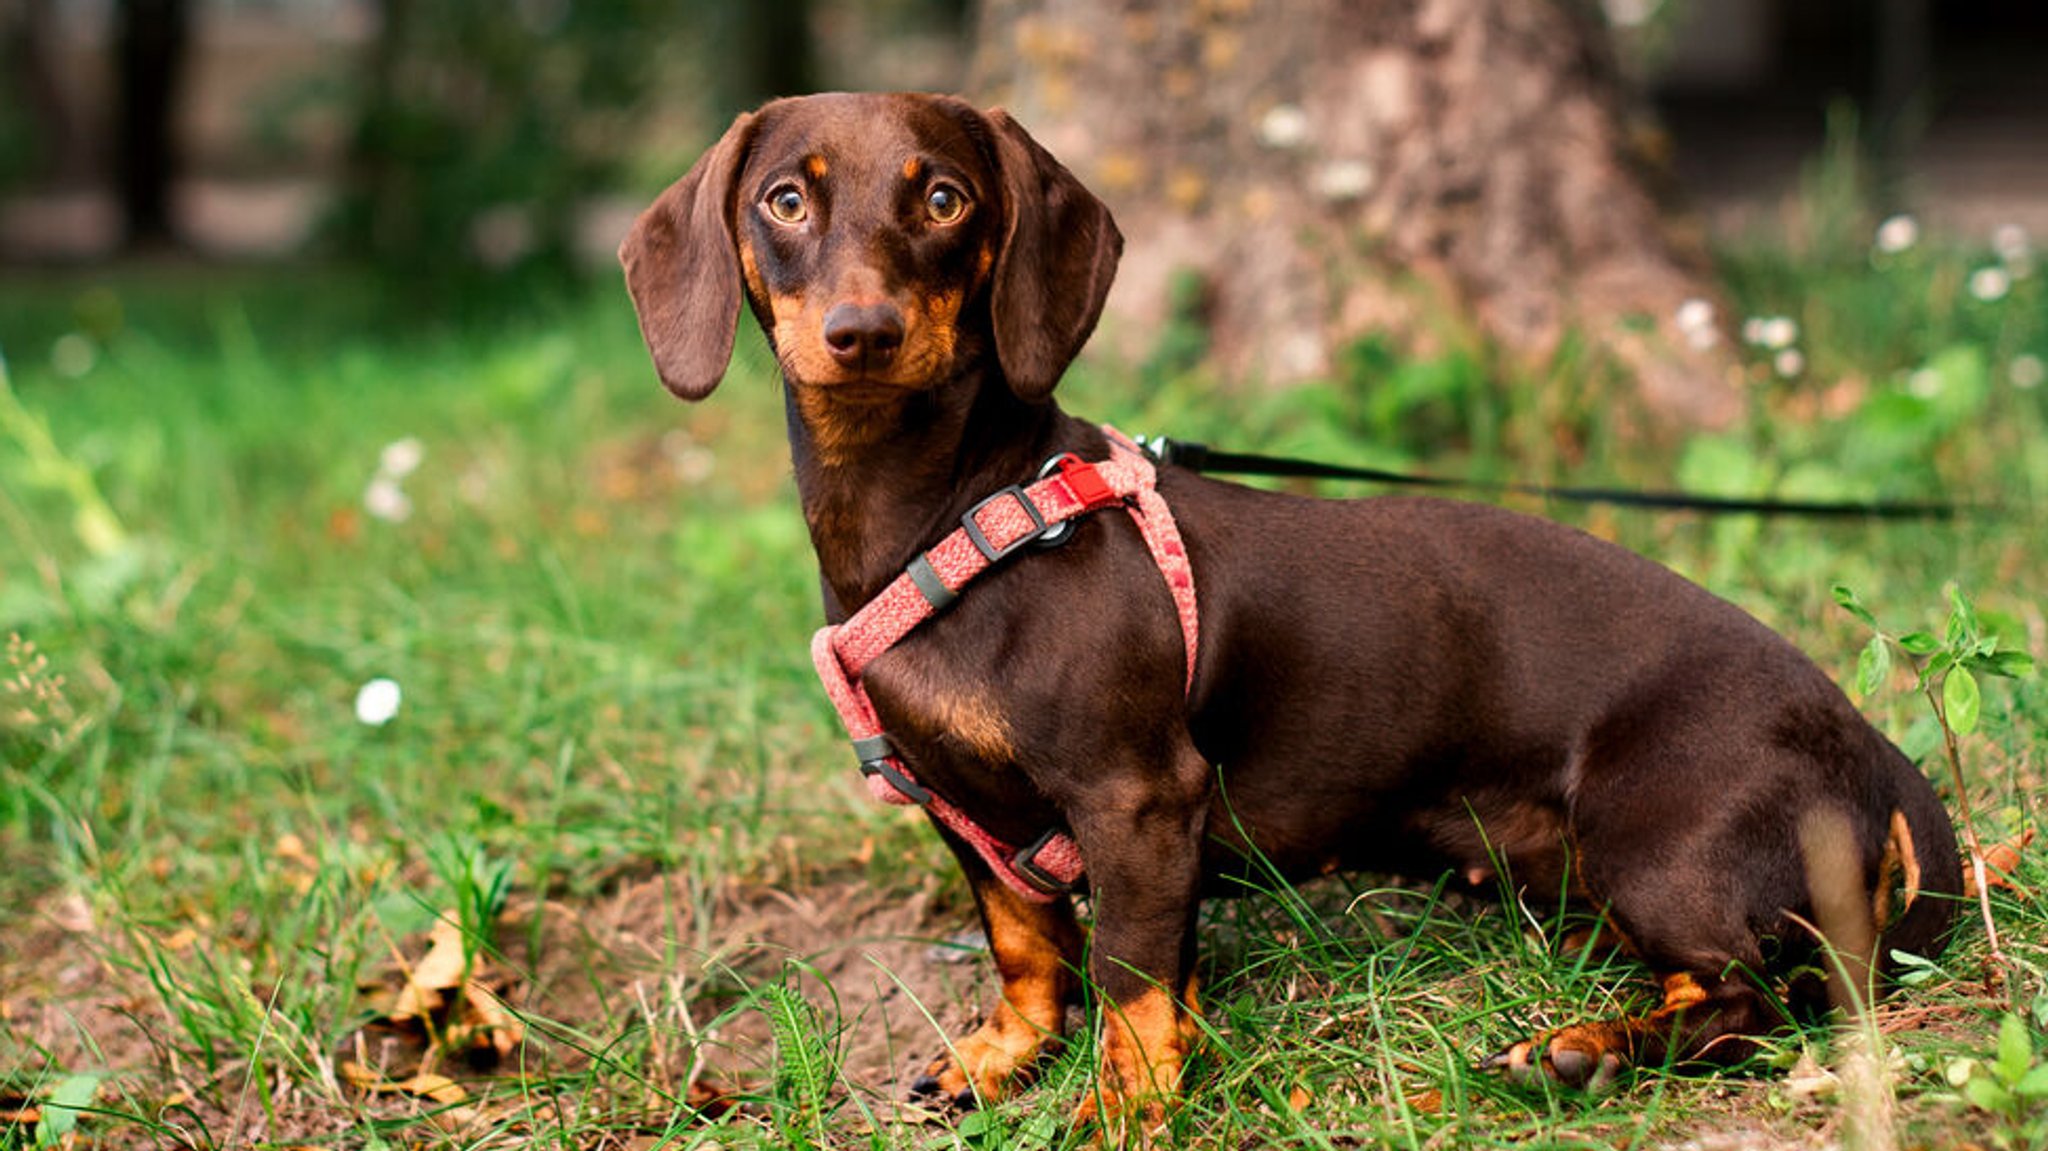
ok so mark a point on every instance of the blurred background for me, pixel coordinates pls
(1289, 172)
(429, 135)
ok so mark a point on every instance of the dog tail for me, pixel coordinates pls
(1919, 886)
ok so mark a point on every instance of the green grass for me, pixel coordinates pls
(610, 750)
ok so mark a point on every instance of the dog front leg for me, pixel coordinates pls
(1037, 952)
(1144, 876)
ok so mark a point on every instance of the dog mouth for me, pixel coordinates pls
(859, 390)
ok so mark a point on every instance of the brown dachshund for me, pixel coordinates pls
(1401, 685)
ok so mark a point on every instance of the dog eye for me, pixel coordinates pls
(786, 204)
(945, 204)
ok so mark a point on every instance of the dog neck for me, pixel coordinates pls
(880, 482)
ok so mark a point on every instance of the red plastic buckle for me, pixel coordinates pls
(1086, 482)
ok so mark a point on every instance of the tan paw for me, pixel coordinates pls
(1591, 1056)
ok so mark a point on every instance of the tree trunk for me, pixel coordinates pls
(1316, 162)
(151, 40)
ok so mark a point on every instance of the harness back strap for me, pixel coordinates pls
(990, 532)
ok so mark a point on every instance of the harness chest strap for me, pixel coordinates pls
(991, 531)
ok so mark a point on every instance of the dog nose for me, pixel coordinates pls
(863, 335)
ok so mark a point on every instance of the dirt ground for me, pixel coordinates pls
(879, 971)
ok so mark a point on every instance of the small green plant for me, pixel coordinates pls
(479, 885)
(2012, 1087)
(1945, 671)
(806, 1061)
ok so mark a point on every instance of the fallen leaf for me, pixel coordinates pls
(1430, 1102)
(344, 525)
(291, 849)
(709, 1100)
(1809, 1080)
(439, 1088)
(442, 969)
(426, 1085)
(2000, 861)
(485, 1023)
(1299, 1098)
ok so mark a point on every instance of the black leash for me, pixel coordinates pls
(1202, 458)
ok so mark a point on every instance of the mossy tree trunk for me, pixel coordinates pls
(1330, 168)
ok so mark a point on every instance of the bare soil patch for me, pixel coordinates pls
(640, 982)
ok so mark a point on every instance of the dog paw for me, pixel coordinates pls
(931, 1087)
(981, 1067)
(1120, 1121)
(1586, 1057)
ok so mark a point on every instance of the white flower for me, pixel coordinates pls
(377, 701)
(2011, 243)
(1630, 13)
(1695, 319)
(387, 501)
(400, 458)
(2027, 371)
(1990, 284)
(1789, 362)
(1341, 180)
(1284, 126)
(694, 464)
(1774, 332)
(1897, 234)
(73, 355)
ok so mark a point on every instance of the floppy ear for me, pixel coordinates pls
(1055, 265)
(682, 269)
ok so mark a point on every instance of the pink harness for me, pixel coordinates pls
(1010, 519)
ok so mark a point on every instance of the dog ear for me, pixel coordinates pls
(682, 269)
(1054, 266)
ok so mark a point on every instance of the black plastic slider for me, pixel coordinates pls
(929, 585)
(877, 756)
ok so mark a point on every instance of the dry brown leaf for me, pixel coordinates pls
(708, 1099)
(441, 970)
(486, 1023)
(291, 849)
(1809, 1080)
(2000, 861)
(1430, 1102)
(438, 1088)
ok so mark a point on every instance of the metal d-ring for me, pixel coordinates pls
(1059, 533)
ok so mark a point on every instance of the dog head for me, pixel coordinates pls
(880, 240)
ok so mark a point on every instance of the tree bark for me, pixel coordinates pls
(1332, 168)
(151, 41)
